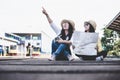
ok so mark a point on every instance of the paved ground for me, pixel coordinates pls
(39, 68)
(42, 69)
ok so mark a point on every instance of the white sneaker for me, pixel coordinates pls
(52, 58)
(70, 58)
(100, 58)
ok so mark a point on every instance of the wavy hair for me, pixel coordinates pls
(70, 32)
(91, 29)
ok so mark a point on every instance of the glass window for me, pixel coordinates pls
(36, 49)
(27, 37)
(35, 38)
(13, 47)
(39, 37)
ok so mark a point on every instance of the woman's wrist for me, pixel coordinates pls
(66, 42)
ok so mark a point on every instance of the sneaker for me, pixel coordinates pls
(52, 58)
(100, 58)
(70, 58)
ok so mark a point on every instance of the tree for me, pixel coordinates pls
(116, 48)
(108, 32)
(106, 39)
(109, 44)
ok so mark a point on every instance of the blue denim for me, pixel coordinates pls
(58, 48)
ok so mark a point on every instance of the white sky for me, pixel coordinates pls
(26, 15)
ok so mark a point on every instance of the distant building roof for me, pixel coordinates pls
(20, 34)
(114, 24)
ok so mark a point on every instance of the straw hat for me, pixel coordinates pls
(93, 23)
(69, 21)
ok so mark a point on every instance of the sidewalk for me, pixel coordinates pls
(42, 69)
(46, 55)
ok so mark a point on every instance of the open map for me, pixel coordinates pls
(85, 43)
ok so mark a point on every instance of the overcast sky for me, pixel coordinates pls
(26, 15)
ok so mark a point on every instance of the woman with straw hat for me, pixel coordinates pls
(90, 27)
(61, 44)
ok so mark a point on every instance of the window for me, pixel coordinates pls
(35, 38)
(13, 47)
(36, 49)
(27, 37)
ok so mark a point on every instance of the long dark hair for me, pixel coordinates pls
(91, 29)
(70, 32)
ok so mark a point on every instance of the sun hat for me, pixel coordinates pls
(69, 21)
(93, 23)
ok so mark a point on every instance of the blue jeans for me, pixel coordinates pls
(58, 48)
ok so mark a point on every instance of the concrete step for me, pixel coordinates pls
(42, 69)
(46, 62)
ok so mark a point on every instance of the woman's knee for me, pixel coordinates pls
(54, 44)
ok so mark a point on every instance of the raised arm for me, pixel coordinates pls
(47, 15)
(53, 26)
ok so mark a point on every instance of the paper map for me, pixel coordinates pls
(85, 43)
